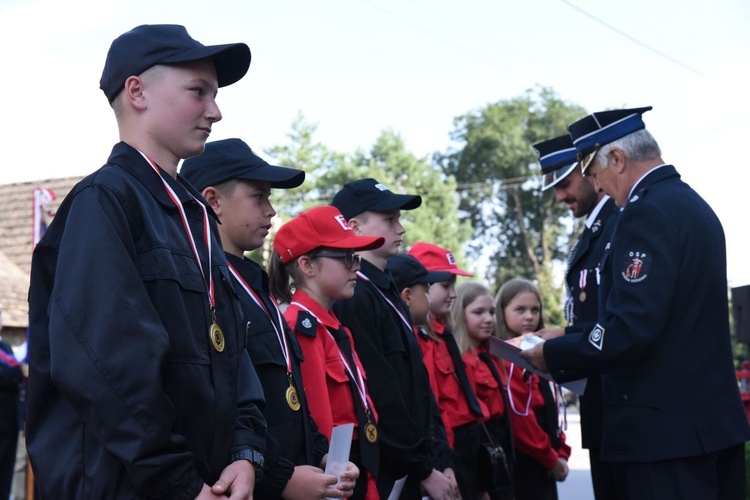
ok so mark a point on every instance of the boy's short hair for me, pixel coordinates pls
(369, 195)
(147, 45)
(232, 159)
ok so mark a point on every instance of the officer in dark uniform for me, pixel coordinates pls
(558, 160)
(672, 411)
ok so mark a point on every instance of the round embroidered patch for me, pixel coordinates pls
(636, 266)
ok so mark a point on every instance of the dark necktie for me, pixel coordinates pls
(484, 356)
(549, 418)
(460, 370)
(369, 452)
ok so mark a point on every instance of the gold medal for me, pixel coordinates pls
(582, 297)
(371, 433)
(292, 398)
(217, 337)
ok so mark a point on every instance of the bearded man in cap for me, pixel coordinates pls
(561, 173)
(673, 417)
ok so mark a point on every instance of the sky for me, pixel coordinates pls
(357, 67)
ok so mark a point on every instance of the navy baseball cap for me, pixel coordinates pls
(231, 159)
(598, 129)
(368, 194)
(147, 45)
(408, 271)
(558, 158)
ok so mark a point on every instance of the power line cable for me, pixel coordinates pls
(433, 35)
(632, 39)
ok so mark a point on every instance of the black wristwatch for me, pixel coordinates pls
(252, 456)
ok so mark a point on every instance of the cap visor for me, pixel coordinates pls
(551, 178)
(231, 60)
(357, 243)
(398, 202)
(586, 162)
(279, 177)
(436, 277)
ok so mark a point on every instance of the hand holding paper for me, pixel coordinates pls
(532, 358)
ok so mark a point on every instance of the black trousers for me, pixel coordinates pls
(607, 478)
(8, 442)
(713, 476)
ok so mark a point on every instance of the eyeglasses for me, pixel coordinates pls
(348, 258)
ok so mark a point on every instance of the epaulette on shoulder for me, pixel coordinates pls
(307, 324)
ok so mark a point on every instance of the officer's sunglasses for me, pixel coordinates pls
(349, 258)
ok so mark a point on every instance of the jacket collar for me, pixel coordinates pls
(130, 159)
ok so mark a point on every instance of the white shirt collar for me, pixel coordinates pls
(595, 212)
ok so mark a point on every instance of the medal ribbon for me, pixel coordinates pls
(8, 360)
(279, 334)
(582, 279)
(206, 235)
(406, 322)
(359, 381)
(510, 394)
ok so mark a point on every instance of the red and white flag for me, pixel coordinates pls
(39, 213)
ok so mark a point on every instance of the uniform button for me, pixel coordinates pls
(625, 397)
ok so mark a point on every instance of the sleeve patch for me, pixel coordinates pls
(596, 337)
(635, 266)
(306, 324)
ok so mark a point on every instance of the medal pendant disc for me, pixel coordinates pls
(371, 433)
(217, 337)
(582, 297)
(292, 398)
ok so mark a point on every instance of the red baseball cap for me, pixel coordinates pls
(436, 258)
(319, 227)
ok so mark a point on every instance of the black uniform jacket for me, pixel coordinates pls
(586, 261)
(662, 337)
(10, 378)
(293, 438)
(127, 397)
(396, 375)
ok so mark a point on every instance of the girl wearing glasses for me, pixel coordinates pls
(313, 264)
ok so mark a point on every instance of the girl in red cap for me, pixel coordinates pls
(314, 263)
(540, 444)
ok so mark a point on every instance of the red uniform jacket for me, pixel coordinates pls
(327, 387)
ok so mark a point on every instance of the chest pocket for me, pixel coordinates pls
(443, 364)
(335, 371)
(178, 292)
(263, 344)
(486, 383)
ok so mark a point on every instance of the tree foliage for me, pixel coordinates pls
(388, 161)
(518, 229)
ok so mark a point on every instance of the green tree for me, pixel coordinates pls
(436, 220)
(387, 160)
(518, 230)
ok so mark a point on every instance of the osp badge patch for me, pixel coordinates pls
(635, 266)
(596, 337)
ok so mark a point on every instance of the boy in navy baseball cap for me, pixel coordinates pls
(136, 346)
(384, 335)
(237, 184)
